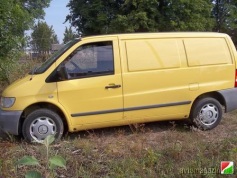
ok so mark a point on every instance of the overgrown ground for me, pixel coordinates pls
(161, 149)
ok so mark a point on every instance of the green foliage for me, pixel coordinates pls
(57, 161)
(68, 35)
(11, 68)
(7, 66)
(43, 37)
(54, 39)
(16, 16)
(35, 7)
(48, 141)
(13, 21)
(187, 15)
(93, 17)
(33, 174)
(52, 162)
(28, 161)
(137, 16)
(140, 16)
(225, 14)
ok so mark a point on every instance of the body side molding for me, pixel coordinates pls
(131, 109)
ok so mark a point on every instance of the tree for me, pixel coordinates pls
(68, 35)
(186, 15)
(54, 39)
(122, 16)
(43, 37)
(16, 16)
(35, 7)
(225, 14)
(93, 17)
(13, 22)
(137, 16)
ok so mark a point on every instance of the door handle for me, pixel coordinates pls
(112, 86)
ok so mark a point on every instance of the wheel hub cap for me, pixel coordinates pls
(209, 114)
(41, 127)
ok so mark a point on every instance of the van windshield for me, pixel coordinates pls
(54, 57)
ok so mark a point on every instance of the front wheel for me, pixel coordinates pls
(41, 123)
(206, 113)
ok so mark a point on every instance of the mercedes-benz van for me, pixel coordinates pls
(113, 80)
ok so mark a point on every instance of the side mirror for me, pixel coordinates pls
(62, 73)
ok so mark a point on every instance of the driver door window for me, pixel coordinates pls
(91, 60)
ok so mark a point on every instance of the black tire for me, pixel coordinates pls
(206, 113)
(41, 123)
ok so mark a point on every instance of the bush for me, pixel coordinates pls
(13, 68)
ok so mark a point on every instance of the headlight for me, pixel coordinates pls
(7, 102)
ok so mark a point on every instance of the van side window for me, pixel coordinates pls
(89, 60)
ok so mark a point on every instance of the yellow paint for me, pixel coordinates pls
(151, 54)
(207, 51)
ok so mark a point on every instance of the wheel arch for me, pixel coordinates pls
(216, 95)
(45, 105)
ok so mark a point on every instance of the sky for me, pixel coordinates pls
(55, 16)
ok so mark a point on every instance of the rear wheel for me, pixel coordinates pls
(41, 123)
(206, 113)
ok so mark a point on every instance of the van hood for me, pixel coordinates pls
(25, 86)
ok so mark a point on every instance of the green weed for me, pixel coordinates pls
(51, 162)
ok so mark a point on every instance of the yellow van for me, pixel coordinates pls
(112, 80)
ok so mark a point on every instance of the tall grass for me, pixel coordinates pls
(170, 154)
(11, 70)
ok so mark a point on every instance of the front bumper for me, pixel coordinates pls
(9, 121)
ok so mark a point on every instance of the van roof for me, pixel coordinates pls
(161, 35)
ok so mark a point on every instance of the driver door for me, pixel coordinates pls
(92, 92)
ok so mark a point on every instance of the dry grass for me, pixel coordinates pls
(157, 150)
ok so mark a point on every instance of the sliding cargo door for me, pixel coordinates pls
(155, 85)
